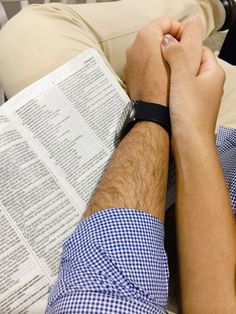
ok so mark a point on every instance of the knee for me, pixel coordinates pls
(17, 38)
(36, 41)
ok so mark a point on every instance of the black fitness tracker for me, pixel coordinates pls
(139, 110)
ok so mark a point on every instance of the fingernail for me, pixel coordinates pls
(167, 40)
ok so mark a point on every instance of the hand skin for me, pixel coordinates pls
(205, 224)
(137, 174)
(146, 73)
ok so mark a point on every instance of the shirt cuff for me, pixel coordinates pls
(117, 251)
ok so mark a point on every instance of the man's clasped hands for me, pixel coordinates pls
(168, 64)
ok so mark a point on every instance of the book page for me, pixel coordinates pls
(36, 216)
(23, 285)
(73, 120)
(52, 153)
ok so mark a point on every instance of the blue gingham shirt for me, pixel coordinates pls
(115, 261)
(226, 144)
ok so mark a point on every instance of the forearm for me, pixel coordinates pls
(137, 174)
(115, 261)
(206, 230)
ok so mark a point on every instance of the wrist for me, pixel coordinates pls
(153, 130)
(192, 137)
(194, 160)
(160, 98)
(192, 144)
(143, 111)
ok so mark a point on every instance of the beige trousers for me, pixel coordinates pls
(42, 37)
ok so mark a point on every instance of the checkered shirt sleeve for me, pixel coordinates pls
(115, 262)
(226, 144)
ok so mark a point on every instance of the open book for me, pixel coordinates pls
(56, 137)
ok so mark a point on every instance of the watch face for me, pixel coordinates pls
(127, 115)
(132, 114)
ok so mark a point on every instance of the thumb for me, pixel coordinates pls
(174, 55)
(209, 64)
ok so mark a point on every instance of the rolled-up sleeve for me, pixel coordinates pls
(114, 262)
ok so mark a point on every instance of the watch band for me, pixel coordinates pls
(144, 111)
(157, 113)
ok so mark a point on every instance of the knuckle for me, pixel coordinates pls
(146, 33)
(163, 21)
(142, 33)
